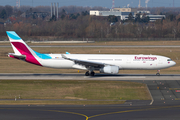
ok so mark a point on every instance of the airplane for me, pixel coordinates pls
(105, 63)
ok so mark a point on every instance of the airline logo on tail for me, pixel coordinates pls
(21, 49)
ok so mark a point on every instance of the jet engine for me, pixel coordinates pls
(110, 69)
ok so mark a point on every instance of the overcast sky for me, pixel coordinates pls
(92, 3)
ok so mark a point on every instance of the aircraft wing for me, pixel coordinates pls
(85, 62)
(22, 57)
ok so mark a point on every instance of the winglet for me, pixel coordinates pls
(63, 56)
(67, 53)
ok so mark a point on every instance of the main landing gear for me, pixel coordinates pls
(158, 73)
(91, 73)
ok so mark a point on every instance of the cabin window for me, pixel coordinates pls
(118, 59)
(102, 59)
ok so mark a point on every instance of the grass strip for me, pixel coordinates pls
(71, 92)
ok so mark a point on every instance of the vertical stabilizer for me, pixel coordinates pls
(21, 48)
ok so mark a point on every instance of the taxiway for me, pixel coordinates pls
(80, 76)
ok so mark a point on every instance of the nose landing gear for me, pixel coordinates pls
(158, 73)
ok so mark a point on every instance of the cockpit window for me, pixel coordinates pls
(169, 60)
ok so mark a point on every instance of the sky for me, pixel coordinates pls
(92, 3)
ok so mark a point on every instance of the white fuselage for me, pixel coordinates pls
(132, 62)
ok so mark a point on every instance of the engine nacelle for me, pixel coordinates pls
(110, 69)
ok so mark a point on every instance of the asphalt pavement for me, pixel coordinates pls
(165, 103)
(111, 112)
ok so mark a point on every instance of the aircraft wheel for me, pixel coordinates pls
(158, 74)
(92, 73)
(87, 73)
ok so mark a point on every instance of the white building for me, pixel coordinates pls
(151, 17)
(105, 13)
(126, 10)
(155, 17)
(143, 12)
(122, 15)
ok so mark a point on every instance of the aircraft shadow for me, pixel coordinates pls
(136, 75)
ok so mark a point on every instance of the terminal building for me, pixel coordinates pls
(123, 13)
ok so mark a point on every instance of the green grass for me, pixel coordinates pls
(72, 90)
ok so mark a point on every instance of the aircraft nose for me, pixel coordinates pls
(173, 63)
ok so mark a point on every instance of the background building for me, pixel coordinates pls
(123, 13)
(126, 10)
(155, 17)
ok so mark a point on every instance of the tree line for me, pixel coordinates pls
(82, 25)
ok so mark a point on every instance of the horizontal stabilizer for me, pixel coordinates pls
(17, 56)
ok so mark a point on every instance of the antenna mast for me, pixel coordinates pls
(113, 4)
(139, 6)
(18, 3)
